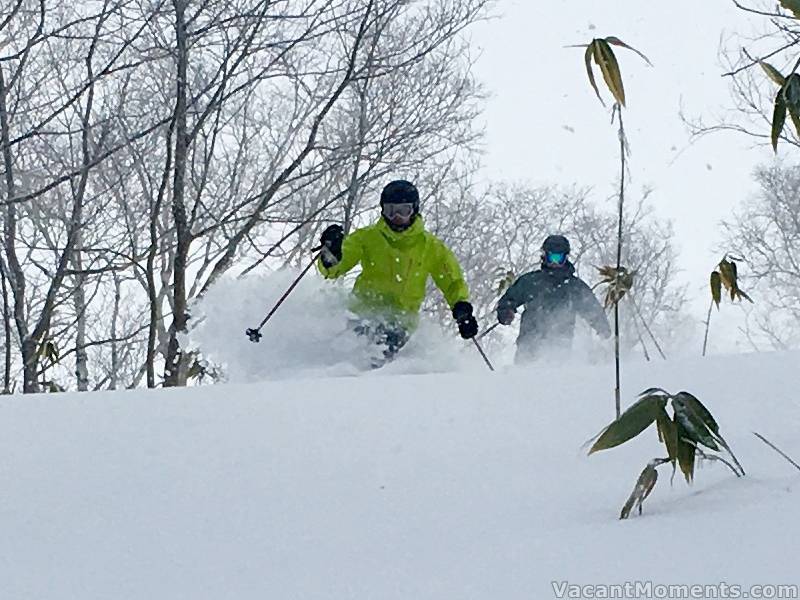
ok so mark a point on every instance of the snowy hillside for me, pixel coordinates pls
(445, 486)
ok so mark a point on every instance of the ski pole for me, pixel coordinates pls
(483, 354)
(255, 334)
(488, 331)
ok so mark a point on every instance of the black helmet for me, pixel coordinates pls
(555, 250)
(556, 243)
(399, 192)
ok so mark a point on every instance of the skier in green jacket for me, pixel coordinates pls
(397, 255)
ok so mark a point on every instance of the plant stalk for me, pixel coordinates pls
(778, 450)
(621, 135)
(708, 326)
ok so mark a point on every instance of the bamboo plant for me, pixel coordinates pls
(725, 275)
(689, 434)
(600, 51)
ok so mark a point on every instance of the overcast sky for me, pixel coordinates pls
(545, 125)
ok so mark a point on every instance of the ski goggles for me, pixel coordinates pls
(400, 211)
(555, 258)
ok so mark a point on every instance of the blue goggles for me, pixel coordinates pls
(555, 258)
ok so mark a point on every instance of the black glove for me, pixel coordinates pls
(331, 241)
(505, 316)
(467, 325)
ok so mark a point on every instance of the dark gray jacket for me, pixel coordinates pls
(552, 298)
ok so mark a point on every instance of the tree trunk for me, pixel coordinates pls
(173, 374)
(7, 332)
(114, 347)
(16, 277)
(81, 356)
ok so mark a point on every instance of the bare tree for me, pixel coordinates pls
(147, 147)
(774, 40)
(765, 232)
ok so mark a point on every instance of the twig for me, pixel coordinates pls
(754, 61)
(778, 450)
(647, 328)
(775, 15)
(706, 456)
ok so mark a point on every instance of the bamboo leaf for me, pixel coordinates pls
(607, 61)
(686, 453)
(693, 403)
(653, 390)
(772, 73)
(608, 273)
(716, 288)
(590, 72)
(734, 284)
(794, 113)
(644, 485)
(791, 91)
(745, 296)
(727, 275)
(668, 432)
(615, 41)
(778, 119)
(631, 423)
(692, 424)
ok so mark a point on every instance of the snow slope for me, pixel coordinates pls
(456, 486)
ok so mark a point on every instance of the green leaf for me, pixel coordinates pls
(631, 423)
(590, 72)
(772, 73)
(615, 41)
(727, 272)
(668, 432)
(716, 288)
(793, 6)
(686, 453)
(791, 91)
(794, 113)
(778, 119)
(694, 404)
(607, 61)
(654, 390)
(692, 424)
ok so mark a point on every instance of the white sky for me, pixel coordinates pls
(539, 88)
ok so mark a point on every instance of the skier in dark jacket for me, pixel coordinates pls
(552, 296)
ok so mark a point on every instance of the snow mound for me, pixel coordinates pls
(456, 486)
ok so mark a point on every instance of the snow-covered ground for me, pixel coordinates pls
(447, 486)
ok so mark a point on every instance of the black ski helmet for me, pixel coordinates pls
(400, 191)
(556, 243)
